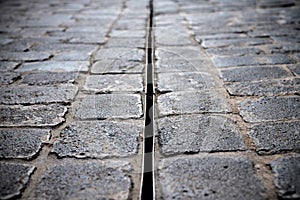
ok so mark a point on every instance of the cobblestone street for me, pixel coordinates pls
(76, 80)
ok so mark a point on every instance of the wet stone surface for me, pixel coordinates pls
(22, 143)
(49, 78)
(109, 83)
(37, 94)
(270, 138)
(109, 106)
(98, 139)
(270, 109)
(90, 180)
(287, 176)
(209, 177)
(36, 115)
(14, 178)
(203, 102)
(117, 66)
(8, 78)
(198, 133)
(68, 66)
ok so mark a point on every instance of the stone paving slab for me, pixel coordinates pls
(209, 177)
(24, 56)
(8, 78)
(206, 101)
(14, 178)
(234, 51)
(37, 94)
(98, 139)
(34, 116)
(22, 143)
(113, 83)
(89, 180)
(295, 69)
(49, 78)
(178, 53)
(110, 106)
(130, 54)
(270, 109)
(126, 42)
(117, 66)
(7, 66)
(182, 65)
(198, 133)
(287, 176)
(213, 43)
(68, 66)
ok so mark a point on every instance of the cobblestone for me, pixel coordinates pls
(117, 66)
(209, 178)
(182, 65)
(178, 53)
(295, 69)
(7, 66)
(8, 78)
(234, 42)
(14, 178)
(49, 78)
(126, 42)
(98, 139)
(22, 143)
(287, 176)
(129, 54)
(233, 51)
(24, 56)
(78, 66)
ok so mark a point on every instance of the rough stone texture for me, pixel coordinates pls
(37, 94)
(49, 78)
(198, 133)
(203, 102)
(7, 66)
(168, 82)
(126, 42)
(109, 106)
(8, 78)
(129, 54)
(179, 38)
(117, 66)
(36, 115)
(112, 83)
(98, 139)
(183, 65)
(128, 33)
(72, 55)
(272, 138)
(24, 56)
(287, 176)
(22, 143)
(213, 43)
(233, 51)
(91, 180)
(14, 178)
(266, 87)
(209, 178)
(253, 73)
(79, 66)
(178, 53)
(270, 109)
(251, 60)
(295, 69)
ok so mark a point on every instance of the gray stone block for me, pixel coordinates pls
(126, 42)
(56, 66)
(130, 54)
(295, 69)
(233, 51)
(49, 78)
(183, 65)
(178, 53)
(7, 66)
(117, 66)
(24, 56)
(8, 78)
(213, 43)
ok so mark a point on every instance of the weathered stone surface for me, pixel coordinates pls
(179, 53)
(112, 83)
(14, 178)
(130, 54)
(80, 66)
(266, 87)
(183, 65)
(213, 43)
(198, 133)
(37, 94)
(49, 78)
(203, 102)
(287, 176)
(297, 56)
(8, 78)
(24, 56)
(37, 115)
(295, 69)
(272, 138)
(91, 180)
(168, 82)
(72, 56)
(129, 33)
(251, 60)
(126, 42)
(22, 143)
(233, 51)
(117, 66)
(179, 37)
(253, 73)
(270, 109)
(212, 177)
(7, 66)
(98, 139)
(110, 106)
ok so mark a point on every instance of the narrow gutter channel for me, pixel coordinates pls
(148, 187)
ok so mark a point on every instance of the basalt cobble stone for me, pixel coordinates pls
(24, 56)
(117, 66)
(295, 69)
(130, 54)
(36, 115)
(37, 94)
(8, 78)
(270, 109)
(266, 87)
(109, 106)
(68, 66)
(211, 177)
(212, 43)
(98, 139)
(168, 82)
(270, 138)
(49, 78)
(253, 73)
(182, 65)
(203, 101)
(22, 143)
(287, 176)
(113, 83)
(14, 178)
(8, 66)
(251, 60)
(90, 180)
(198, 133)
